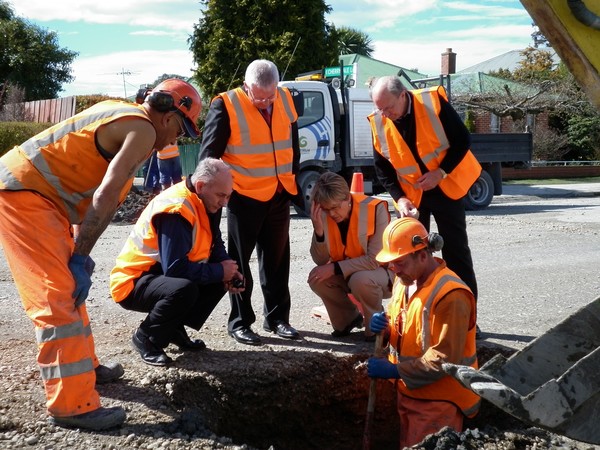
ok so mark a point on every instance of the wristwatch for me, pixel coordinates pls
(444, 174)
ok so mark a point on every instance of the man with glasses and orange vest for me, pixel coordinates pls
(347, 237)
(253, 129)
(58, 192)
(430, 320)
(423, 160)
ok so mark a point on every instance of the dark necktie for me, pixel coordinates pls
(265, 113)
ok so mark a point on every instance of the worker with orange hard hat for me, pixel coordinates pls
(71, 178)
(430, 320)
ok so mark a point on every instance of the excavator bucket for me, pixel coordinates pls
(553, 383)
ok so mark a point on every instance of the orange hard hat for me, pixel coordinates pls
(174, 94)
(402, 237)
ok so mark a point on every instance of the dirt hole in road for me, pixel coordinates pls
(295, 401)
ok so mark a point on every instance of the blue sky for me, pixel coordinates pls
(124, 44)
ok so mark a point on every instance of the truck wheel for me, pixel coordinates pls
(306, 183)
(481, 193)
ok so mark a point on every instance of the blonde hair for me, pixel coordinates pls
(330, 188)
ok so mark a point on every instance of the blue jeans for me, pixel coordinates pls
(170, 171)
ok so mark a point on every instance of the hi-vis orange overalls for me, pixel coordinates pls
(47, 184)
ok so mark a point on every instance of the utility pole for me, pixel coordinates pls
(124, 72)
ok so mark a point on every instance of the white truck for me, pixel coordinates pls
(335, 135)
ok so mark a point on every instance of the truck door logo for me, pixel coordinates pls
(311, 136)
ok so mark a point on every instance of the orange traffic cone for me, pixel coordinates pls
(357, 186)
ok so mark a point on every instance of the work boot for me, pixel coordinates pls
(151, 353)
(98, 419)
(107, 373)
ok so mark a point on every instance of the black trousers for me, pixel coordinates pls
(265, 226)
(450, 218)
(172, 303)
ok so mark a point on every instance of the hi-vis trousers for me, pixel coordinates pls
(37, 241)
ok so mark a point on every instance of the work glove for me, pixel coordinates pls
(379, 322)
(82, 267)
(382, 368)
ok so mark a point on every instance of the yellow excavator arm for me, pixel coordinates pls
(573, 29)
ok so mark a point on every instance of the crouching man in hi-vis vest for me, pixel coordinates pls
(58, 192)
(174, 265)
(430, 320)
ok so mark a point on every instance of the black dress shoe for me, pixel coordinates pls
(181, 339)
(245, 336)
(356, 323)
(283, 329)
(150, 353)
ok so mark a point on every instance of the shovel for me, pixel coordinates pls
(372, 395)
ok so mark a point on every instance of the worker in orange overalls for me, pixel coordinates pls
(347, 237)
(430, 321)
(58, 192)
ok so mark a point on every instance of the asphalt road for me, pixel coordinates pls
(535, 250)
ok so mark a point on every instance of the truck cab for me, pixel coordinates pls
(334, 133)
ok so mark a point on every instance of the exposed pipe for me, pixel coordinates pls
(583, 14)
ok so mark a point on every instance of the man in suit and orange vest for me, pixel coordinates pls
(430, 320)
(58, 192)
(346, 239)
(253, 129)
(174, 265)
(423, 160)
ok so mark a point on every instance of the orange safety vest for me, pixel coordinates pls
(360, 229)
(432, 144)
(63, 163)
(411, 336)
(140, 252)
(170, 151)
(260, 156)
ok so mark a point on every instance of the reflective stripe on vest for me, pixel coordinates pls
(360, 229)
(418, 313)
(170, 151)
(140, 252)
(66, 174)
(260, 157)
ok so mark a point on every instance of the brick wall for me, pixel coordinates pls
(540, 173)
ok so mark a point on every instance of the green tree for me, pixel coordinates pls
(292, 34)
(166, 76)
(536, 65)
(31, 58)
(351, 40)
(573, 129)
